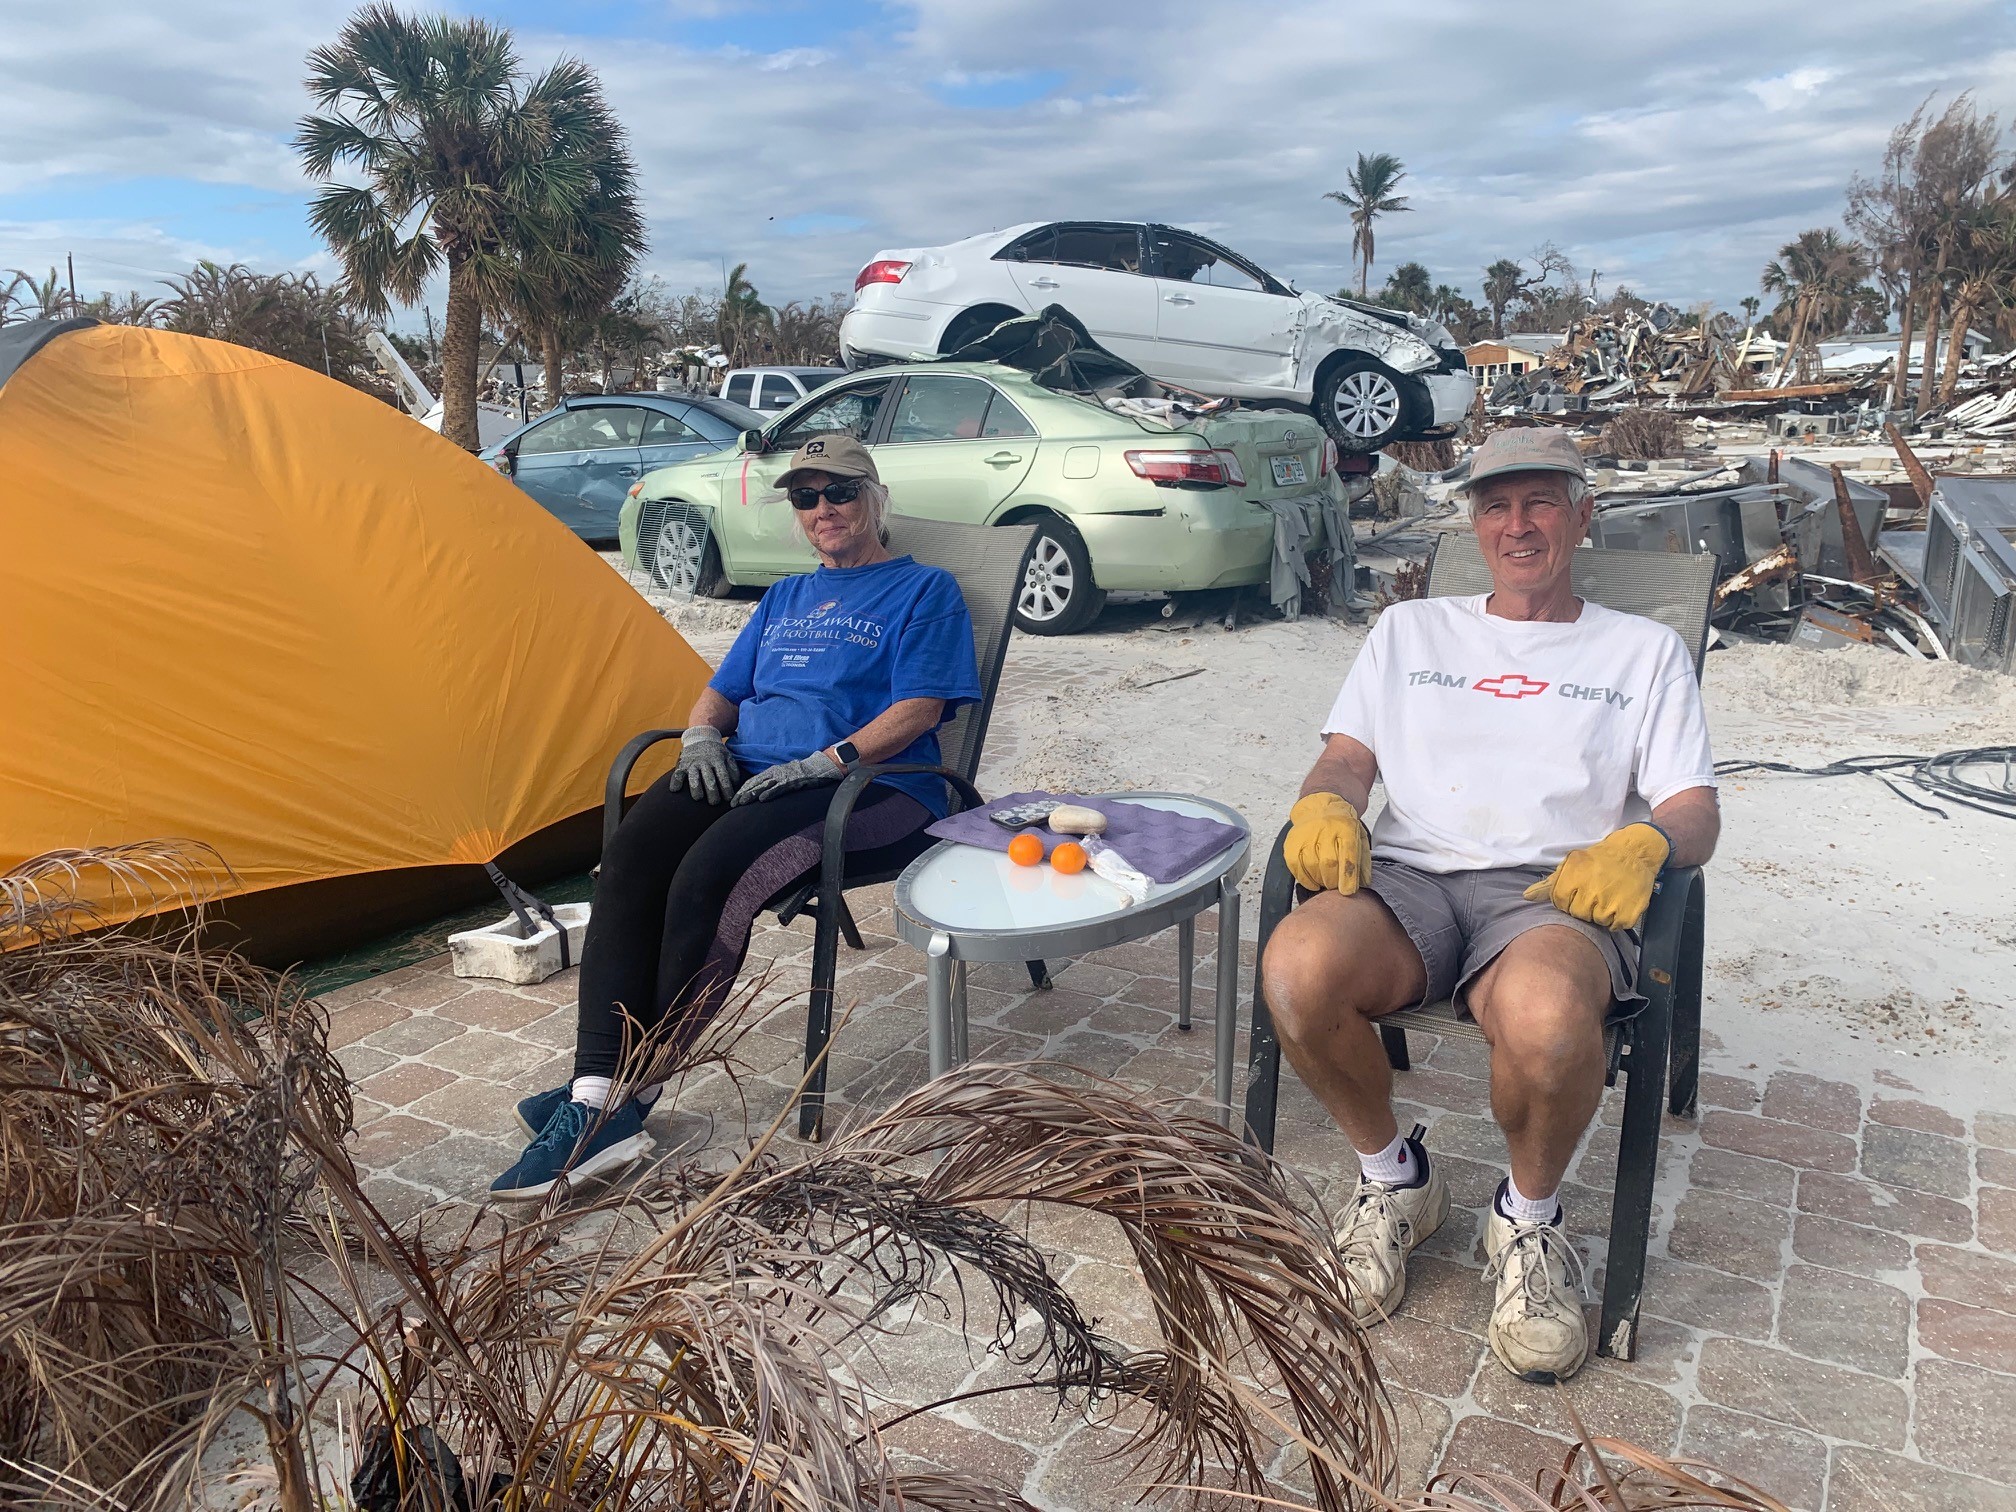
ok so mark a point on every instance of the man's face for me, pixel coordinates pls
(1528, 529)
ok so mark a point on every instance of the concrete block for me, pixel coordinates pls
(505, 953)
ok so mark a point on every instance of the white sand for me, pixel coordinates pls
(1847, 932)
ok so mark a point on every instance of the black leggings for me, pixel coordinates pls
(681, 886)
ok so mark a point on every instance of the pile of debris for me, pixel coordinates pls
(1607, 364)
(1633, 359)
(1806, 555)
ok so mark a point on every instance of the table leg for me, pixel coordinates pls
(1228, 994)
(960, 1054)
(1186, 969)
(938, 966)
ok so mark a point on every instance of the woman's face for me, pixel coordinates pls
(835, 530)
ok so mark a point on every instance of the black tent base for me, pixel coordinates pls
(313, 921)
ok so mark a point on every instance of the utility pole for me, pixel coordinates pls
(70, 262)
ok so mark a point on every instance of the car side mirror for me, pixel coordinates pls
(507, 461)
(751, 441)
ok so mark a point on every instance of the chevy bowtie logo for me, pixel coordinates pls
(1509, 685)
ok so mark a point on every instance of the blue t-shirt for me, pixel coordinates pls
(827, 652)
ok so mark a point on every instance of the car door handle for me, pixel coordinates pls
(1003, 458)
(1177, 299)
(1044, 283)
(630, 469)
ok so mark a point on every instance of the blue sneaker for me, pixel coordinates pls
(573, 1144)
(532, 1112)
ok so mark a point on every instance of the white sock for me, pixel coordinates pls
(592, 1090)
(1520, 1208)
(1393, 1166)
(650, 1093)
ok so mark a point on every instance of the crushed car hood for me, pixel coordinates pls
(1406, 343)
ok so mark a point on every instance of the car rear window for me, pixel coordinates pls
(738, 388)
(593, 429)
(940, 407)
(1116, 248)
(661, 429)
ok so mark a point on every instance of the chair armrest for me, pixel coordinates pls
(833, 845)
(1664, 925)
(619, 779)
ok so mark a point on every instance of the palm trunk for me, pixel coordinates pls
(1935, 299)
(1900, 383)
(1963, 316)
(553, 356)
(461, 336)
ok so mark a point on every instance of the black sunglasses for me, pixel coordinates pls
(846, 491)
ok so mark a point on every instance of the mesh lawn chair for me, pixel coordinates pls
(1674, 590)
(988, 562)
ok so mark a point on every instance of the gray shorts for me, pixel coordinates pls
(1460, 921)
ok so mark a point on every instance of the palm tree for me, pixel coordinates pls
(1369, 197)
(1751, 305)
(1817, 276)
(1503, 283)
(597, 249)
(1985, 256)
(1408, 287)
(742, 314)
(463, 162)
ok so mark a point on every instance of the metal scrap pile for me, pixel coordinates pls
(1983, 404)
(1634, 359)
(1605, 364)
(1806, 555)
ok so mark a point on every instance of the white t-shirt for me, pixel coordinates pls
(1512, 742)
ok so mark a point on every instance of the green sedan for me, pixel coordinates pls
(1125, 502)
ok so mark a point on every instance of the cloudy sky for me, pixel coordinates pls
(1669, 146)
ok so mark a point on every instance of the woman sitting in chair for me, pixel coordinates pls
(860, 660)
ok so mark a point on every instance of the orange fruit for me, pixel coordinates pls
(1026, 850)
(1069, 857)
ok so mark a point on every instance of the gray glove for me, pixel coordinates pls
(787, 777)
(705, 766)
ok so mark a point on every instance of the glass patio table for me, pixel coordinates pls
(960, 904)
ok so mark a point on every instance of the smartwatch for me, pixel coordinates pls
(849, 756)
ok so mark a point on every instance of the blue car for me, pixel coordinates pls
(579, 460)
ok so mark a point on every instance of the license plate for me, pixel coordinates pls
(1289, 472)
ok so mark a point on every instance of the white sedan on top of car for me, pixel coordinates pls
(1181, 308)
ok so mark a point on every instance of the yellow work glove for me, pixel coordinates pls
(1608, 884)
(1327, 848)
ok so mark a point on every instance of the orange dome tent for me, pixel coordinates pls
(256, 608)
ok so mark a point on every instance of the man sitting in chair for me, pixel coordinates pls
(1545, 759)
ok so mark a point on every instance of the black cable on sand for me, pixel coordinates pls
(1977, 777)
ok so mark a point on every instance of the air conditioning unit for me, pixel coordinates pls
(1970, 568)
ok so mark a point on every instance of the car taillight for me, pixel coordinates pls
(1202, 469)
(1234, 473)
(1329, 462)
(886, 270)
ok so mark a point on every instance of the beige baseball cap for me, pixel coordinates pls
(835, 453)
(1533, 449)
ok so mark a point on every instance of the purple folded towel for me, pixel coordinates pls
(1158, 843)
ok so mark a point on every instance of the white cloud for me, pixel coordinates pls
(1673, 147)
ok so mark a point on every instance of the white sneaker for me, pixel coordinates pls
(1537, 1328)
(1382, 1227)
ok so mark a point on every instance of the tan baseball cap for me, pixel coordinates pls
(1534, 449)
(835, 453)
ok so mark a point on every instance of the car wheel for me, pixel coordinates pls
(683, 557)
(1364, 405)
(1058, 596)
(972, 325)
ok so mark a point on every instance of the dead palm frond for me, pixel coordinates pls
(177, 1209)
(149, 1180)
